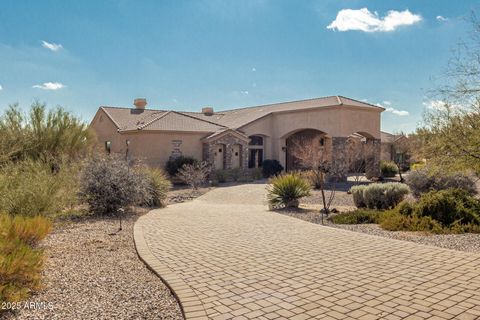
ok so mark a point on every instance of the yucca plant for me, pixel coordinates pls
(286, 190)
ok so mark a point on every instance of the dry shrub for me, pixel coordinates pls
(20, 263)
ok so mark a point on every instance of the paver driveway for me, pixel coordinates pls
(226, 256)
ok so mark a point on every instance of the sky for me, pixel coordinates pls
(184, 55)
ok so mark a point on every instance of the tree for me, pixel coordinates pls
(450, 135)
(41, 134)
(401, 147)
(311, 155)
(356, 157)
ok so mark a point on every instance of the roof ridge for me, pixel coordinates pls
(279, 103)
(150, 122)
(187, 115)
(362, 102)
(111, 118)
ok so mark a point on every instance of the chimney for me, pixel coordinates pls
(208, 111)
(140, 103)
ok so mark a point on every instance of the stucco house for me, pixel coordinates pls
(243, 137)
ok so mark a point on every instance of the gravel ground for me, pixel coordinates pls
(93, 272)
(468, 242)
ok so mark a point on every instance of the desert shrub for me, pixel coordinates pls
(394, 221)
(157, 187)
(271, 168)
(379, 195)
(29, 187)
(235, 174)
(286, 190)
(388, 168)
(109, 184)
(42, 135)
(221, 175)
(20, 263)
(175, 164)
(417, 166)
(449, 206)
(358, 216)
(256, 173)
(425, 180)
(357, 194)
(194, 174)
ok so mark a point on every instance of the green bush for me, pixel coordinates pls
(175, 164)
(357, 194)
(358, 216)
(109, 184)
(30, 188)
(271, 168)
(394, 221)
(388, 168)
(425, 180)
(449, 206)
(286, 190)
(20, 263)
(379, 195)
(157, 187)
(444, 211)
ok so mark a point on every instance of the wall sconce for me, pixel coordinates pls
(284, 149)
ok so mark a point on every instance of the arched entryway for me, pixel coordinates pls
(307, 148)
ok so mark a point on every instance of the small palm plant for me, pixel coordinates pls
(286, 190)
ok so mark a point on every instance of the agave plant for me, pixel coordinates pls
(286, 190)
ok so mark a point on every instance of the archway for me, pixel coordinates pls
(307, 148)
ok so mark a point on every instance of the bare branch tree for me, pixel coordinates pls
(311, 155)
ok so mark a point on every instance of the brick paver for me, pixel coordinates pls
(226, 257)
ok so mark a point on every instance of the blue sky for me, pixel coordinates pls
(183, 55)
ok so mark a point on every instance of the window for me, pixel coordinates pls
(256, 141)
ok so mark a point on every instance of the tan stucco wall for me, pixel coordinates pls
(152, 148)
(339, 121)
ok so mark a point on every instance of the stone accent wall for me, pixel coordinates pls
(339, 156)
(372, 158)
(229, 141)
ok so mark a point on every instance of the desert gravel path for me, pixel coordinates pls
(227, 257)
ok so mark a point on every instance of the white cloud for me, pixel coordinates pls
(401, 113)
(434, 104)
(1, 88)
(441, 18)
(364, 20)
(244, 92)
(49, 86)
(254, 69)
(51, 46)
(387, 103)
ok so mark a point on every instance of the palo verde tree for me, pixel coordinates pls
(450, 136)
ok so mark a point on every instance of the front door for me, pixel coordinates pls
(255, 158)
(219, 157)
(236, 156)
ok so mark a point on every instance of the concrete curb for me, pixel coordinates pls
(192, 307)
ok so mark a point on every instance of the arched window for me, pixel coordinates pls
(255, 152)
(256, 141)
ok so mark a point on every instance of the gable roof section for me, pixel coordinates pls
(221, 133)
(133, 120)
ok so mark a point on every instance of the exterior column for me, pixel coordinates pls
(372, 158)
(339, 158)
